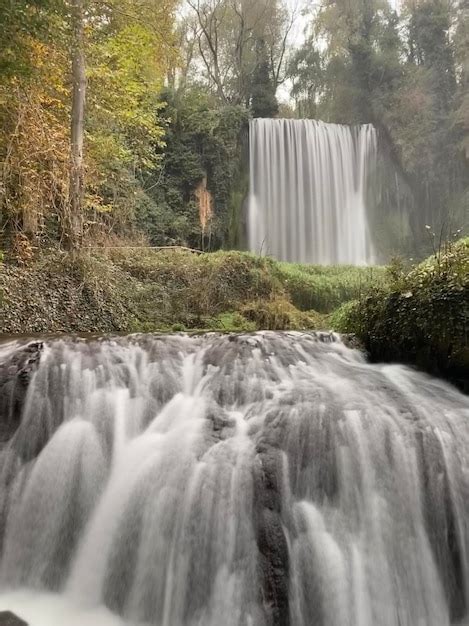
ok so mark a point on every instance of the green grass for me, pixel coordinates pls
(325, 288)
(148, 290)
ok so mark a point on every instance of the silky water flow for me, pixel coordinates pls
(249, 480)
(308, 191)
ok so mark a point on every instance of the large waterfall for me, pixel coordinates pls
(274, 479)
(308, 187)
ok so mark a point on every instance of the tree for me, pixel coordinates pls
(74, 216)
(462, 61)
(307, 75)
(19, 21)
(263, 100)
(202, 145)
(436, 158)
(47, 139)
(34, 122)
(228, 32)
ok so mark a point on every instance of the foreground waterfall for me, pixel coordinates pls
(308, 190)
(257, 480)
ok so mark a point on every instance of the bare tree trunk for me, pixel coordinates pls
(74, 210)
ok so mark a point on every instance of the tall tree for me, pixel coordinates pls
(74, 216)
(263, 100)
(307, 77)
(227, 36)
(431, 80)
(462, 59)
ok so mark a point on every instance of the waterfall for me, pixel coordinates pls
(308, 187)
(272, 479)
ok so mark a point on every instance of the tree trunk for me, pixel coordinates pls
(74, 211)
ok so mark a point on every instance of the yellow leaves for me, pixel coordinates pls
(126, 72)
(38, 49)
(130, 47)
(34, 135)
(36, 165)
(106, 148)
(151, 21)
(95, 202)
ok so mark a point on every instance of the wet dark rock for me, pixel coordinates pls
(15, 375)
(325, 337)
(352, 341)
(441, 522)
(7, 618)
(271, 540)
(220, 426)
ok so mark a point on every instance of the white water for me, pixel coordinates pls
(275, 478)
(47, 609)
(308, 187)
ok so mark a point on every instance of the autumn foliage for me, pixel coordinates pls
(129, 48)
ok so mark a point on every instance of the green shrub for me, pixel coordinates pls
(190, 287)
(343, 319)
(421, 316)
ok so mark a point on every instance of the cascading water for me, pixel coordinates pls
(308, 184)
(251, 480)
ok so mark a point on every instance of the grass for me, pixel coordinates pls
(325, 288)
(148, 290)
(198, 289)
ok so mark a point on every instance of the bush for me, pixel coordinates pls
(187, 287)
(421, 316)
(146, 290)
(58, 293)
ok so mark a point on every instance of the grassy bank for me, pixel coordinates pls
(121, 290)
(418, 315)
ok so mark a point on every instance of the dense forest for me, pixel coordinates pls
(165, 91)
